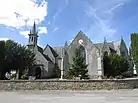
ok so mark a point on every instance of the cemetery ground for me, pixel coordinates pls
(102, 96)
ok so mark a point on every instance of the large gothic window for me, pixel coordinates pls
(83, 53)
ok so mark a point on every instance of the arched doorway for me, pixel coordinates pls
(38, 72)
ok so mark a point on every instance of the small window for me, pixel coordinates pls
(32, 39)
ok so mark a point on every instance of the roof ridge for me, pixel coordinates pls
(47, 58)
(53, 51)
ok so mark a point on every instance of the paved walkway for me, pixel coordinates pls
(121, 96)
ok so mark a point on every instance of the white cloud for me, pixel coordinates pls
(42, 30)
(1, 39)
(25, 33)
(19, 13)
(113, 8)
(55, 29)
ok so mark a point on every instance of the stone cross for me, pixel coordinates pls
(134, 69)
(61, 68)
(99, 65)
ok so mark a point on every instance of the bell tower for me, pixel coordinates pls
(33, 37)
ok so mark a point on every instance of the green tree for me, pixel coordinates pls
(115, 65)
(2, 56)
(17, 57)
(134, 49)
(79, 67)
(25, 59)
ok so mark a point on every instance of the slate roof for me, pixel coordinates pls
(99, 45)
(59, 51)
(117, 44)
(110, 45)
(40, 49)
(47, 58)
(52, 50)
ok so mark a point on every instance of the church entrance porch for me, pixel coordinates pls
(38, 73)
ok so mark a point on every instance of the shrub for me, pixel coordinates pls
(115, 65)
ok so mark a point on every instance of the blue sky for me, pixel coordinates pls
(60, 20)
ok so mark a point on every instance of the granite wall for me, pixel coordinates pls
(68, 84)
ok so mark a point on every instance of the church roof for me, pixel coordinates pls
(52, 50)
(99, 45)
(47, 58)
(59, 51)
(80, 33)
(109, 45)
(40, 49)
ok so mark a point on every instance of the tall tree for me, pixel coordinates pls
(17, 57)
(79, 67)
(2, 57)
(134, 49)
(25, 59)
(115, 65)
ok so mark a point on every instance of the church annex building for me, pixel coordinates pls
(51, 61)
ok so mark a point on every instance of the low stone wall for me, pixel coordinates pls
(68, 84)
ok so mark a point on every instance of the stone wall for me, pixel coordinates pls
(68, 84)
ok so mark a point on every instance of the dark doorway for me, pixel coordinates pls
(38, 73)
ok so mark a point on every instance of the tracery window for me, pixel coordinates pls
(83, 53)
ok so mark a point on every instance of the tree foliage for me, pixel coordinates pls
(134, 49)
(114, 65)
(79, 67)
(2, 55)
(16, 57)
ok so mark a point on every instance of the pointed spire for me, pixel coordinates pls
(105, 46)
(33, 36)
(34, 23)
(121, 38)
(66, 44)
(80, 32)
(34, 29)
(104, 39)
(30, 32)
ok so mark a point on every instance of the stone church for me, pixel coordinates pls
(51, 61)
